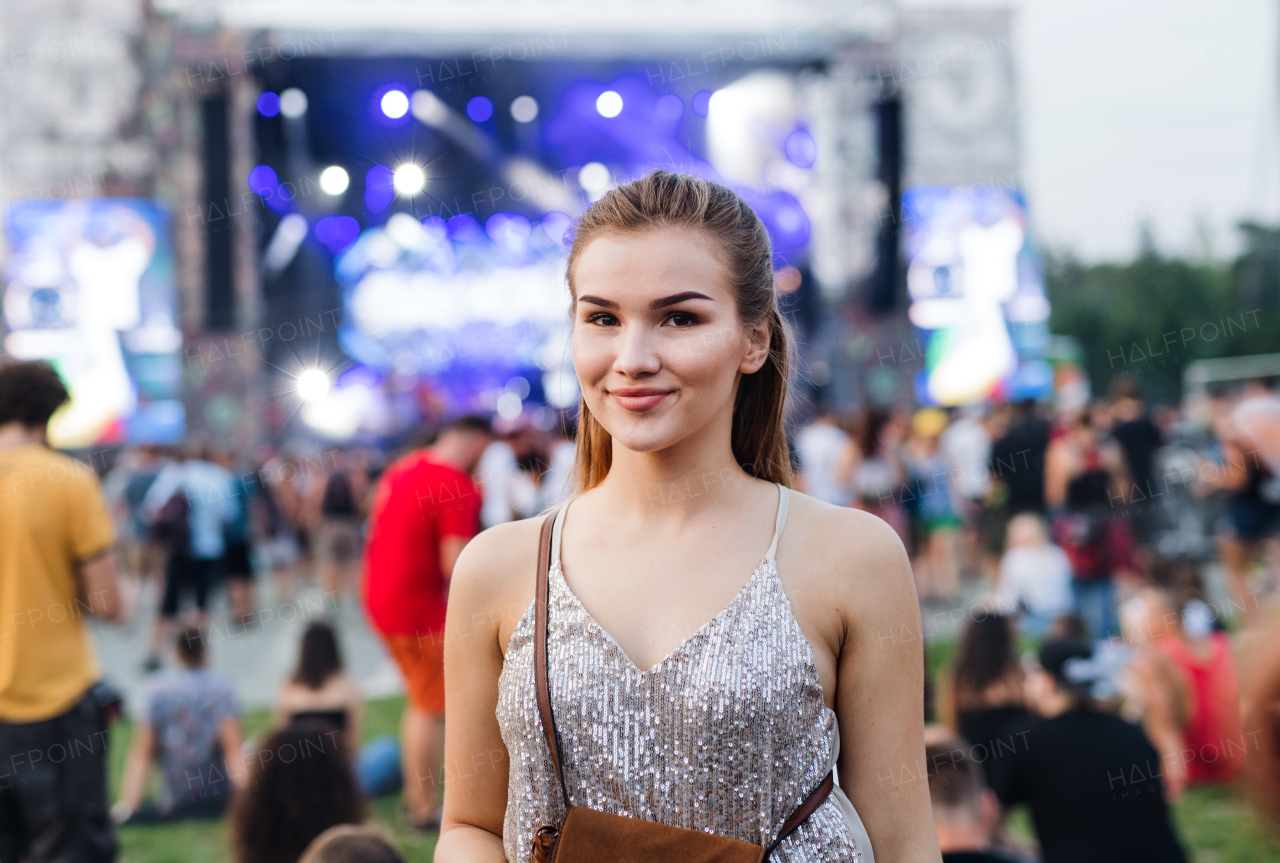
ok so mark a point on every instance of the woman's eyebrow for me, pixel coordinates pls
(597, 301)
(677, 298)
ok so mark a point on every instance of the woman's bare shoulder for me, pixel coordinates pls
(497, 567)
(853, 557)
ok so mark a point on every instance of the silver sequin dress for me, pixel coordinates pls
(728, 733)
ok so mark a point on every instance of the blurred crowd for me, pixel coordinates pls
(1105, 575)
(1111, 574)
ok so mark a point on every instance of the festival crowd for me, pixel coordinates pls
(1064, 554)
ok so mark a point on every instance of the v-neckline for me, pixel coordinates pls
(645, 672)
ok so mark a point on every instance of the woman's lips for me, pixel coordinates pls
(639, 398)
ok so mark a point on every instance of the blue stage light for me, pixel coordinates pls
(669, 107)
(800, 148)
(479, 109)
(700, 101)
(263, 181)
(379, 188)
(337, 232)
(269, 104)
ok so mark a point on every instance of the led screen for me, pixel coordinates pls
(977, 296)
(89, 286)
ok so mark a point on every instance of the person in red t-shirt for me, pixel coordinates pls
(425, 509)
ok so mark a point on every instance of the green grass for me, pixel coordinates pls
(1217, 825)
(206, 841)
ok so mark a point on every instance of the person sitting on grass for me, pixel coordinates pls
(191, 732)
(300, 784)
(1093, 780)
(964, 809)
(319, 688)
(348, 843)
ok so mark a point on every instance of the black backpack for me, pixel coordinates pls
(171, 527)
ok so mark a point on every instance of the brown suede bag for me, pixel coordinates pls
(589, 836)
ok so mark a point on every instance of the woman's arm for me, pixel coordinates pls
(135, 773)
(475, 757)
(880, 697)
(1057, 473)
(231, 737)
(355, 717)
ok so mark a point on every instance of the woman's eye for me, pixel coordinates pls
(603, 319)
(682, 319)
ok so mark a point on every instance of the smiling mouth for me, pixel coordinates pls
(639, 398)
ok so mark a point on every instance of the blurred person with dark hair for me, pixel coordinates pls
(125, 487)
(1250, 527)
(1092, 780)
(299, 785)
(319, 689)
(981, 697)
(236, 564)
(872, 471)
(1083, 483)
(965, 810)
(1018, 460)
(57, 565)
(1139, 438)
(349, 843)
(425, 509)
(1068, 626)
(190, 730)
(191, 503)
(557, 482)
(337, 514)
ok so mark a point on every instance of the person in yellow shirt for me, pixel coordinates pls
(57, 566)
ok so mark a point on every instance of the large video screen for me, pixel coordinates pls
(89, 286)
(977, 295)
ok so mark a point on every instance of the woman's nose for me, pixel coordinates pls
(638, 353)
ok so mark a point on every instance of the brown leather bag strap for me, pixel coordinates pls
(816, 798)
(540, 592)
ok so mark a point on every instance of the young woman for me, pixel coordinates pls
(319, 689)
(981, 697)
(716, 641)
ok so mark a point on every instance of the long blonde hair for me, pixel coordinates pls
(662, 199)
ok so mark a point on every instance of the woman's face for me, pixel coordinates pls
(657, 343)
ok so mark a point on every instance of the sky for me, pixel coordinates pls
(1157, 112)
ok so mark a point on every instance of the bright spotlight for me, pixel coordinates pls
(409, 179)
(524, 109)
(313, 385)
(395, 104)
(293, 103)
(334, 180)
(609, 104)
(594, 179)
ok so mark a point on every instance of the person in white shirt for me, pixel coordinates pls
(1035, 575)
(820, 445)
(557, 482)
(495, 473)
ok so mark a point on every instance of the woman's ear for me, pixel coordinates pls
(758, 336)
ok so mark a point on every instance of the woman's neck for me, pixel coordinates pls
(695, 474)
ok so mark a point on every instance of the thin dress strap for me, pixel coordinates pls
(780, 523)
(556, 530)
